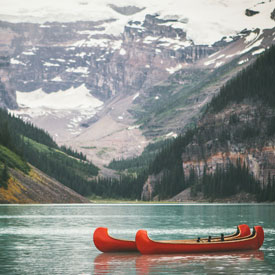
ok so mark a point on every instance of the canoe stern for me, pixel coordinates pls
(105, 243)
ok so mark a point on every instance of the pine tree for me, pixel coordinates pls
(4, 177)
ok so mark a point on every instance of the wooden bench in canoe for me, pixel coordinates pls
(147, 246)
(105, 243)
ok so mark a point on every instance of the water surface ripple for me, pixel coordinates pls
(57, 239)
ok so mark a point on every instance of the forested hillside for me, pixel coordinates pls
(21, 142)
(256, 82)
(230, 150)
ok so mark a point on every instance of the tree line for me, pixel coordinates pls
(256, 82)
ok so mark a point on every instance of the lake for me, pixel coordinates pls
(57, 239)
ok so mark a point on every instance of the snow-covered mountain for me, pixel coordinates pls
(97, 75)
(204, 21)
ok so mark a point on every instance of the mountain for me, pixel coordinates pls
(232, 148)
(108, 79)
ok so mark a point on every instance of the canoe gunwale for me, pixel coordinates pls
(205, 241)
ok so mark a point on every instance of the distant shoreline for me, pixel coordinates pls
(112, 201)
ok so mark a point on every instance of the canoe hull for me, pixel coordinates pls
(105, 243)
(147, 246)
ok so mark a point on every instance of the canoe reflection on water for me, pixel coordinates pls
(108, 263)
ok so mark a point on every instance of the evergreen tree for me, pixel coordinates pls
(256, 82)
(4, 177)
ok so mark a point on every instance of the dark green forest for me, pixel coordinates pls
(256, 82)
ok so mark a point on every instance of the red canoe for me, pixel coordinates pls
(105, 243)
(147, 246)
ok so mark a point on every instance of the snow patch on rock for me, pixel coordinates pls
(57, 78)
(48, 64)
(171, 134)
(243, 61)
(172, 70)
(135, 96)
(68, 109)
(16, 62)
(81, 70)
(258, 51)
(71, 99)
(122, 51)
(218, 64)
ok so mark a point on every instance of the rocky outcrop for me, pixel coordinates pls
(272, 16)
(7, 97)
(259, 161)
(126, 10)
(249, 12)
(149, 186)
(237, 134)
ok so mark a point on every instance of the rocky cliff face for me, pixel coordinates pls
(149, 186)
(57, 56)
(237, 134)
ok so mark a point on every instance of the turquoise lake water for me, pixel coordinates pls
(57, 239)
